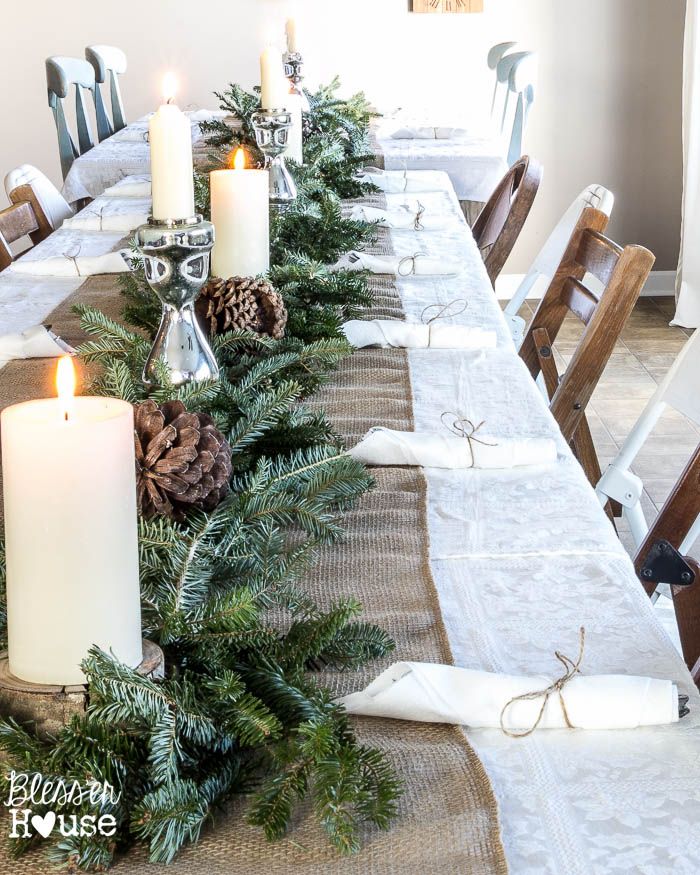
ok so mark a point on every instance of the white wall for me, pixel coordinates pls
(608, 107)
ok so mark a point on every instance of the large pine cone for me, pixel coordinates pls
(242, 302)
(182, 460)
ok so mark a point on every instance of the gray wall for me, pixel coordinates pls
(608, 107)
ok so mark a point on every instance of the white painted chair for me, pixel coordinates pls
(680, 390)
(26, 183)
(518, 71)
(500, 89)
(545, 265)
(61, 74)
(108, 62)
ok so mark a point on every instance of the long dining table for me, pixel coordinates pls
(520, 560)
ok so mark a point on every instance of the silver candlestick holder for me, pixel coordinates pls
(176, 259)
(293, 65)
(271, 134)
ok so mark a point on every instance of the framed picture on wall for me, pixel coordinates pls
(446, 5)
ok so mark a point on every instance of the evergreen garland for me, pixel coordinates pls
(240, 710)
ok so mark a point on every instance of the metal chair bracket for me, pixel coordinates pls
(664, 564)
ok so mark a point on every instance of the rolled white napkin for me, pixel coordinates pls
(138, 185)
(432, 693)
(79, 265)
(399, 181)
(206, 115)
(402, 218)
(414, 335)
(395, 265)
(136, 132)
(111, 214)
(384, 446)
(34, 343)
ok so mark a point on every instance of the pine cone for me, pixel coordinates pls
(182, 460)
(241, 302)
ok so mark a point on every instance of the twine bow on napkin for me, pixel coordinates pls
(571, 669)
(72, 254)
(444, 311)
(409, 260)
(465, 428)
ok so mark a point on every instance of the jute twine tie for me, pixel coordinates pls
(409, 260)
(444, 311)
(417, 222)
(571, 669)
(72, 254)
(465, 428)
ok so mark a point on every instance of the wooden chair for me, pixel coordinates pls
(108, 60)
(26, 183)
(547, 261)
(660, 560)
(621, 274)
(499, 224)
(61, 75)
(17, 221)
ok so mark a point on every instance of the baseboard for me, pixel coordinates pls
(660, 284)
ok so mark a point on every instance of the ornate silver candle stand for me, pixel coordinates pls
(293, 65)
(176, 257)
(271, 134)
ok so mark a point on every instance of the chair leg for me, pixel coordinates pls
(584, 450)
(686, 602)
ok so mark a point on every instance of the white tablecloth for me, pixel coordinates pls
(521, 559)
(113, 159)
(474, 164)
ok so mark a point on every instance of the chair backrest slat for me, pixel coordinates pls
(17, 221)
(499, 224)
(26, 183)
(599, 255)
(580, 300)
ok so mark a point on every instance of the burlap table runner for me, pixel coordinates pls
(448, 818)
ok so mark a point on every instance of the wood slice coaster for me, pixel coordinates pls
(49, 706)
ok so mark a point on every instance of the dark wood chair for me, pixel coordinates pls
(499, 224)
(658, 560)
(621, 274)
(24, 219)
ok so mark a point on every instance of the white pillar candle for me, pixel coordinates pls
(295, 137)
(291, 28)
(170, 136)
(240, 211)
(71, 535)
(274, 86)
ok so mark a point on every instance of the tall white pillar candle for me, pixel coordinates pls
(295, 136)
(71, 536)
(274, 86)
(240, 211)
(291, 28)
(170, 136)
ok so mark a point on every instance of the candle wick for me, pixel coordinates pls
(65, 416)
(169, 101)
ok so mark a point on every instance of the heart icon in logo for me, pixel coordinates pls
(44, 825)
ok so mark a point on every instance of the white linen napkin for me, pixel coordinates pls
(399, 181)
(136, 132)
(35, 342)
(431, 693)
(394, 265)
(78, 265)
(414, 335)
(138, 185)
(384, 446)
(402, 218)
(111, 214)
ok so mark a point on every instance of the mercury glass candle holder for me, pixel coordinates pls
(176, 259)
(293, 65)
(271, 134)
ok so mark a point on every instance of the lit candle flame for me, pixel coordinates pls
(169, 87)
(65, 385)
(238, 159)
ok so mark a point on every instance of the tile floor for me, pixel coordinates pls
(646, 349)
